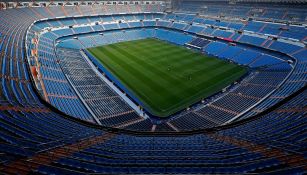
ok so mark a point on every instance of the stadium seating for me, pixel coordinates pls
(220, 49)
(199, 42)
(105, 104)
(243, 10)
(59, 116)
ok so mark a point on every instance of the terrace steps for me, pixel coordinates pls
(264, 42)
(29, 164)
(240, 36)
(208, 118)
(285, 14)
(298, 51)
(102, 98)
(225, 110)
(49, 11)
(62, 96)
(245, 96)
(36, 13)
(290, 110)
(130, 123)
(55, 80)
(17, 79)
(23, 109)
(263, 85)
(262, 28)
(172, 126)
(93, 10)
(291, 159)
(80, 11)
(115, 115)
(269, 44)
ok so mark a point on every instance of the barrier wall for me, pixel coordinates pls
(110, 76)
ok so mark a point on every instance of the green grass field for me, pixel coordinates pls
(165, 77)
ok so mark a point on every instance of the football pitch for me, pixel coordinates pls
(166, 78)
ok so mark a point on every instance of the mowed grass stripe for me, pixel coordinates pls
(144, 44)
(159, 58)
(172, 56)
(215, 65)
(137, 78)
(151, 68)
(179, 79)
(135, 63)
(120, 62)
(152, 45)
(211, 85)
(165, 82)
(134, 77)
(218, 81)
(179, 63)
(158, 73)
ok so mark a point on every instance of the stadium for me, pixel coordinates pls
(153, 87)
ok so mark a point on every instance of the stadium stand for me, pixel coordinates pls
(231, 53)
(59, 116)
(223, 51)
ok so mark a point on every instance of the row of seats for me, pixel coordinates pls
(199, 42)
(106, 105)
(41, 141)
(201, 153)
(236, 54)
(244, 10)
